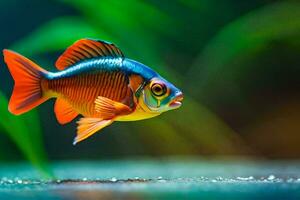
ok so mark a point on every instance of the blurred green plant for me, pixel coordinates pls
(26, 133)
(246, 36)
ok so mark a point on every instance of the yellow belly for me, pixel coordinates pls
(138, 114)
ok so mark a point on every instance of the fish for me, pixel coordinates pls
(93, 80)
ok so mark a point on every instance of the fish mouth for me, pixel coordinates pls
(177, 101)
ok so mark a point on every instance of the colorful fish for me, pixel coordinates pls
(96, 81)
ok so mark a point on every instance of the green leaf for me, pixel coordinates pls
(243, 37)
(124, 15)
(25, 132)
(57, 35)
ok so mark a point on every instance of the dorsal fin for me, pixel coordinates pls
(85, 49)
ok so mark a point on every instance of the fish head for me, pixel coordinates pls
(158, 95)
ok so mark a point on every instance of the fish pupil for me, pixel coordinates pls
(158, 89)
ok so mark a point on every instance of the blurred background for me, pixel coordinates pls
(237, 63)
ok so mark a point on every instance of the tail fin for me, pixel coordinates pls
(27, 92)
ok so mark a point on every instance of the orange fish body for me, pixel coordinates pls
(96, 81)
(79, 93)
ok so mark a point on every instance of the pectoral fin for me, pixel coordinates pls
(109, 109)
(64, 111)
(88, 126)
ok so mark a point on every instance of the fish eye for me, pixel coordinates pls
(158, 89)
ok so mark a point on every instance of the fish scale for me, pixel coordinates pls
(82, 90)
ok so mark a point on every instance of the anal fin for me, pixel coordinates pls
(64, 111)
(108, 110)
(89, 126)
